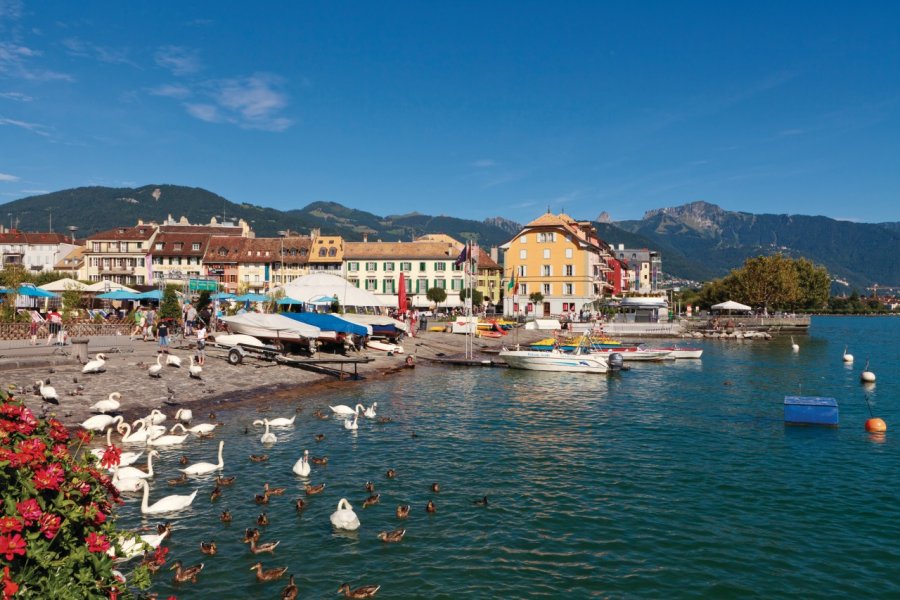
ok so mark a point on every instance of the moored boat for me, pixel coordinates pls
(636, 353)
(677, 352)
(578, 361)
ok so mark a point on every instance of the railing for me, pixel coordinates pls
(20, 331)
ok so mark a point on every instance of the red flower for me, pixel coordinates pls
(97, 542)
(30, 510)
(10, 587)
(111, 457)
(10, 524)
(49, 478)
(84, 436)
(60, 451)
(159, 555)
(7, 425)
(98, 515)
(10, 545)
(14, 411)
(50, 525)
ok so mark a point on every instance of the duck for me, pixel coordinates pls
(370, 487)
(262, 498)
(208, 548)
(262, 520)
(215, 494)
(202, 468)
(319, 437)
(173, 361)
(257, 548)
(178, 480)
(312, 490)
(366, 591)
(184, 415)
(403, 511)
(120, 472)
(282, 421)
(195, 371)
(430, 507)
(167, 440)
(111, 404)
(435, 487)
(342, 410)
(391, 473)
(156, 370)
(299, 504)
(384, 420)
(268, 574)
(201, 429)
(259, 457)
(251, 534)
(183, 460)
(301, 467)
(100, 422)
(319, 414)
(352, 425)
(391, 536)
(225, 480)
(225, 517)
(183, 575)
(370, 412)
(371, 500)
(164, 505)
(290, 591)
(319, 460)
(481, 502)
(273, 491)
(344, 517)
(96, 365)
(268, 437)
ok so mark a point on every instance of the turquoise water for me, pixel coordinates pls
(670, 480)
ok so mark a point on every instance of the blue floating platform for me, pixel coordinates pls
(810, 410)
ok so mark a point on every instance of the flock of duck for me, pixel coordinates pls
(151, 432)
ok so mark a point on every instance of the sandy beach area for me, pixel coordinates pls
(222, 384)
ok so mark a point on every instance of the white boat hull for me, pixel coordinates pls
(384, 346)
(639, 354)
(682, 352)
(562, 362)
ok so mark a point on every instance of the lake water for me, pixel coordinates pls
(669, 480)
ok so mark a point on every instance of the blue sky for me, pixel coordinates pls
(471, 109)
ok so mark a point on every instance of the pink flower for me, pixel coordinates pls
(10, 545)
(50, 525)
(97, 542)
(30, 510)
(49, 478)
(10, 524)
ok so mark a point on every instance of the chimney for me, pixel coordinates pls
(495, 254)
(365, 238)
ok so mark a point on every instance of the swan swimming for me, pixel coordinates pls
(202, 468)
(134, 472)
(268, 437)
(794, 345)
(184, 414)
(344, 517)
(282, 421)
(109, 405)
(167, 440)
(201, 429)
(301, 467)
(168, 504)
(342, 409)
(352, 425)
(100, 422)
(370, 412)
(96, 365)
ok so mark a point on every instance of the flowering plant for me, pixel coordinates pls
(55, 529)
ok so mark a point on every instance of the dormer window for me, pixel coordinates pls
(223, 252)
(178, 246)
(159, 245)
(122, 230)
(332, 252)
(303, 252)
(323, 252)
(195, 246)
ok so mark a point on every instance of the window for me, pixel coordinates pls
(223, 252)
(523, 271)
(440, 266)
(421, 285)
(440, 283)
(323, 251)
(547, 289)
(568, 253)
(523, 254)
(178, 246)
(569, 270)
(332, 252)
(567, 289)
(354, 282)
(421, 266)
(546, 270)
(388, 266)
(523, 239)
(546, 237)
(523, 289)
(303, 251)
(546, 252)
(195, 246)
(371, 266)
(159, 245)
(353, 266)
(371, 284)
(456, 284)
(388, 286)
(405, 266)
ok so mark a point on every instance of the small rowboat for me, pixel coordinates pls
(677, 352)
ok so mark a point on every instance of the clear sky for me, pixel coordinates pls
(470, 109)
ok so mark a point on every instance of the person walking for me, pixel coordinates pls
(138, 324)
(55, 325)
(33, 327)
(201, 343)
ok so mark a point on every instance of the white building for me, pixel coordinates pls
(34, 251)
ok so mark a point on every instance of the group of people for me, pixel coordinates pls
(148, 325)
(56, 332)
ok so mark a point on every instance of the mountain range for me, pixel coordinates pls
(697, 241)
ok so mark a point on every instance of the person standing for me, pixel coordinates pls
(201, 343)
(55, 320)
(190, 320)
(162, 334)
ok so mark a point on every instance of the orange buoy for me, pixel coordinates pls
(876, 425)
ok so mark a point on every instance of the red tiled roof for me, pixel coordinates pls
(207, 229)
(27, 237)
(224, 249)
(170, 244)
(138, 232)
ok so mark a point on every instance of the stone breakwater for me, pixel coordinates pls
(222, 384)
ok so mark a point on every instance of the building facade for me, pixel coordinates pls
(644, 265)
(121, 255)
(34, 251)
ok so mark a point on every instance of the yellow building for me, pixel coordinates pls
(559, 257)
(326, 254)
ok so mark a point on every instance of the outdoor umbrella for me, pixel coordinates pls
(35, 292)
(154, 295)
(251, 298)
(118, 295)
(289, 301)
(222, 296)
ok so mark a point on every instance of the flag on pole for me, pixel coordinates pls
(513, 285)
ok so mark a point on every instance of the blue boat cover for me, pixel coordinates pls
(329, 322)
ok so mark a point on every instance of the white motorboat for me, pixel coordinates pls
(233, 339)
(676, 352)
(577, 361)
(636, 353)
(384, 346)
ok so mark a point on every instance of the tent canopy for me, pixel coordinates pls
(323, 285)
(62, 285)
(26, 289)
(731, 305)
(108, 286)
(152, 295)
(222, 296)
(287, 300)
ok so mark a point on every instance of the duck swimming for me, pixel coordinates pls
(430, 507)
(273, 491)
(225, 517)
(403, 511)
(299, 504)
(316, 460)
(435, 487)
(481, 502)
(208, 548)
(262, 519)
(268, 574)
(215, 494)
(224, 480)
(392, 536)
(290, 591)
(314, 489)
(371, 500)
(366, 591)
(183, 575)
(269, 547)
(259, 457)
(391, 473)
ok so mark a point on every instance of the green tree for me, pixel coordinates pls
(169, 307)
(436, 295)
(477, 296)
(72, 300)
(536, 297)
(814, 282)
(203, 301)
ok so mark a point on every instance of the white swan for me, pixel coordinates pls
(125, 458)
(203, 468)
(134, 472)
(370, 412)
(155, 370)
(184, 414)
(96, 365)
(794, 345)
(342, 409)
(48, 393)
(155, 417)
(848, 358)
(109, 405)
(100, 422)
(134, 545)
(352, 425)
(167, 440)
(268, 437)
(195, 370)
(173, 361)
(126, 484)
(201, 429)
(282, 421)
(165, 505)
(344, 517)
(301, 467)
(141, 433)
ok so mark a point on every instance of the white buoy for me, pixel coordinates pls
(867, 376)
(794, 345)
(848, 358)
